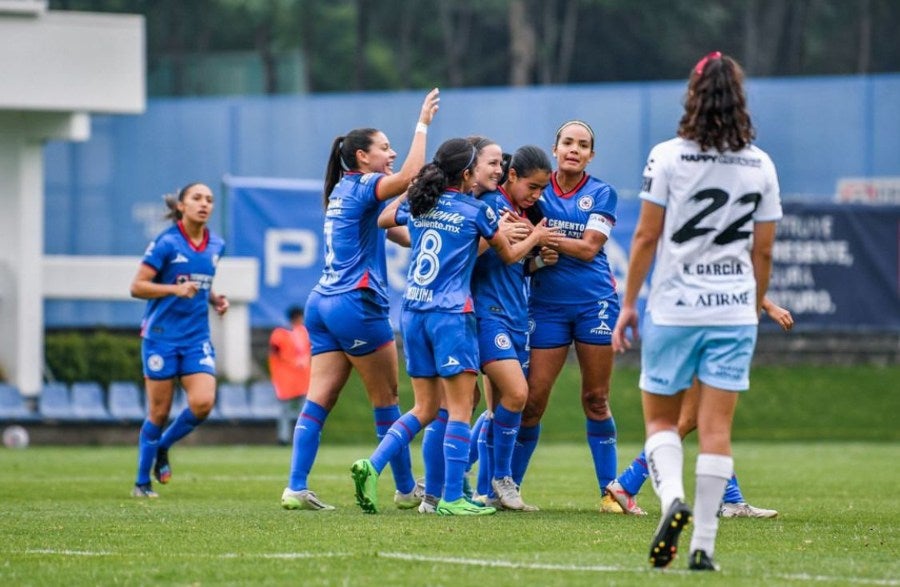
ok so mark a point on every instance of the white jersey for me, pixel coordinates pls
(703, 274)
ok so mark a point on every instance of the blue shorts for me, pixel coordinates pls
(554, 326)
(718, 355)
(165, 360)
(438, 344)
(355, 322)
(498, 342)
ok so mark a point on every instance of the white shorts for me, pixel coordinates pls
(718, 355)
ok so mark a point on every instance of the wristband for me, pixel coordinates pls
(422, 128)
(539, 262)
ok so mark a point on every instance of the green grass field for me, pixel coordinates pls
(67, 518)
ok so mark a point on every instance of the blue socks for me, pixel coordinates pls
(733, 492)
(601, 437)
(433, 454)
(632, 478)
(485, 442)
(401, 464)
(505, 430)
(398, 436)
(307, 434)
(526, 442)
(456, 458)
(183, 425)
(148, 442)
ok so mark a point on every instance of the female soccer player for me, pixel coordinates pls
(708, 216)
(574, 300)
(486, 176)
(501, 310)
(175, 277)
(347, 311)
(438, 325)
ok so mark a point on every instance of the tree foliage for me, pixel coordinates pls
(355, 45)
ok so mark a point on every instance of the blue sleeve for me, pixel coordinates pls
(606, 202)
(157, 253)
(486, 221)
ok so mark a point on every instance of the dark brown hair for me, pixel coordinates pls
(715, 108)
(342, 157)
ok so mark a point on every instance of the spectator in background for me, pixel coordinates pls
(289, 359)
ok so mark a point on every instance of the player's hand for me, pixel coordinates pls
(430, 106)
(548, 235)
(514, 230)
(219, 303)
(187, 289)
(779, 315)
(549, 256)
(628, 318)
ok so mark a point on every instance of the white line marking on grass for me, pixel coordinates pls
(68, 552)
(286, 555)
(508, 564)
(827, 579)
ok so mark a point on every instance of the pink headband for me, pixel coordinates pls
(698, 69)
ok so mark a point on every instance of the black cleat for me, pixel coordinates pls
(700, 561)
(161, 468)
(665, 541)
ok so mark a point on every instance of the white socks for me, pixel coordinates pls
(713, 473)
(665, 461)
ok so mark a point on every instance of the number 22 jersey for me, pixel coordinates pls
(703, 273)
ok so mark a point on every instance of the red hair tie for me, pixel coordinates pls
(698, 69)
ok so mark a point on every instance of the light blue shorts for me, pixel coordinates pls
(498, 342)
(718, 355)
(355, 322)
(438, 344)
(164, 360)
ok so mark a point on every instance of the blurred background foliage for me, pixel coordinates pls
(204, 47)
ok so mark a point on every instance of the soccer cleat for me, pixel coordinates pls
(429, 504)
(507, 494)
(161, 468)
(665, 541)
(745, 510)
(303, 499)
(700, 561)
(144, 490)
(624, 499)
(365, 480)
(407, 501)
(463, 507)
(609, 505)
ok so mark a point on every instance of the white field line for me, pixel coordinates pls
(471, 562)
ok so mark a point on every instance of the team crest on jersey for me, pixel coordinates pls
(155, 362)
(585, 203)
(502, 342)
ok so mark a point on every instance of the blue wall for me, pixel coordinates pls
(103, 196)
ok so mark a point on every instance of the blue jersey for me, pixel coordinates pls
(592, 204)
(444, 248)
(176, 260)
(499, 288)
(354, 245)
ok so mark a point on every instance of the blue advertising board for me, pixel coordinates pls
(835, 266)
